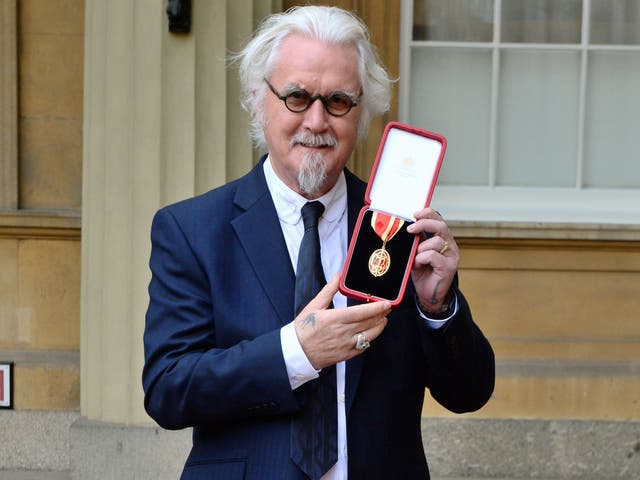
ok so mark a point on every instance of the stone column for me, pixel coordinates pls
(161, 116)
(8, 105)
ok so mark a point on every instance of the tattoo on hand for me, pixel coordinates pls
(434, 298)
(310, 320)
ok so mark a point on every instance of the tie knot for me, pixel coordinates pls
(311, 212)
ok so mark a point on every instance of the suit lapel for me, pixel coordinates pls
(265, 246)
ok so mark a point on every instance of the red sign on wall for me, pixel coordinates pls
(6, 383)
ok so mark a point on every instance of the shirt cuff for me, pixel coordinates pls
(436, 324)
(298, 366)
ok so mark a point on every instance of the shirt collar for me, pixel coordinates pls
(289, 203)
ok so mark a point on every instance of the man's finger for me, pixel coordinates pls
(370, 334)
(357, 313)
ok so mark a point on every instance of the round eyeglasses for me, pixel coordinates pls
(298, 100)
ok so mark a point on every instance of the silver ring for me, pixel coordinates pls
(362, 343)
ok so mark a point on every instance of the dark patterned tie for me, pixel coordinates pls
(314, 430)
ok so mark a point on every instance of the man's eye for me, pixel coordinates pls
(340, 100)
(298, 95)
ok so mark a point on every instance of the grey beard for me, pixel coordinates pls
(312, 176)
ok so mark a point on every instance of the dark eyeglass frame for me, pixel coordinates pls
(311, 99)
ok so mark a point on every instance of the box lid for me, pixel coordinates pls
(404, 174)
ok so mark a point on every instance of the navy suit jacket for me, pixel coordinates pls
(222, 287)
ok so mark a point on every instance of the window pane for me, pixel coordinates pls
(450, 94)
(615, 22)
(538, 117)
(541, 21)
(612, 156)
(453, 20)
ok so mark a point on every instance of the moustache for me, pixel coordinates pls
(313, 140)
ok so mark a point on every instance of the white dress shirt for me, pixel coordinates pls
(333, 232)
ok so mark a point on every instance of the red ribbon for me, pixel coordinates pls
(386, 226)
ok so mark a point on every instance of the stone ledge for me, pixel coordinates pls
(40, 224)
(457, 448)
(509, 448)
(34, 475)
(103, 451)
(35, 440)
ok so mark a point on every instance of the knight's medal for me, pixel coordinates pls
(385, 226)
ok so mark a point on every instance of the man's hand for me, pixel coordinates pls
(328, 335)
(436, 261)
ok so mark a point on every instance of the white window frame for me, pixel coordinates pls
(584, 210)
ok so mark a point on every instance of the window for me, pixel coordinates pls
(538, 101)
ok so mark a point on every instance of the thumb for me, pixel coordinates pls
(324, 297)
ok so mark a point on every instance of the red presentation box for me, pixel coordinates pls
(403, 177)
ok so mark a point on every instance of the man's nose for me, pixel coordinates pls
(316, 116)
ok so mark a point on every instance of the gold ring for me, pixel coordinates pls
(444, 248)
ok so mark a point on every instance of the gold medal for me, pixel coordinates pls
(385, 226)
(379, 262)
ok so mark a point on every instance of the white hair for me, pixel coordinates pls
(327, 24)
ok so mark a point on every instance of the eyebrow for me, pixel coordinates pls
(292, 87)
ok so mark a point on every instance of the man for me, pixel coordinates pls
(226, 350)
